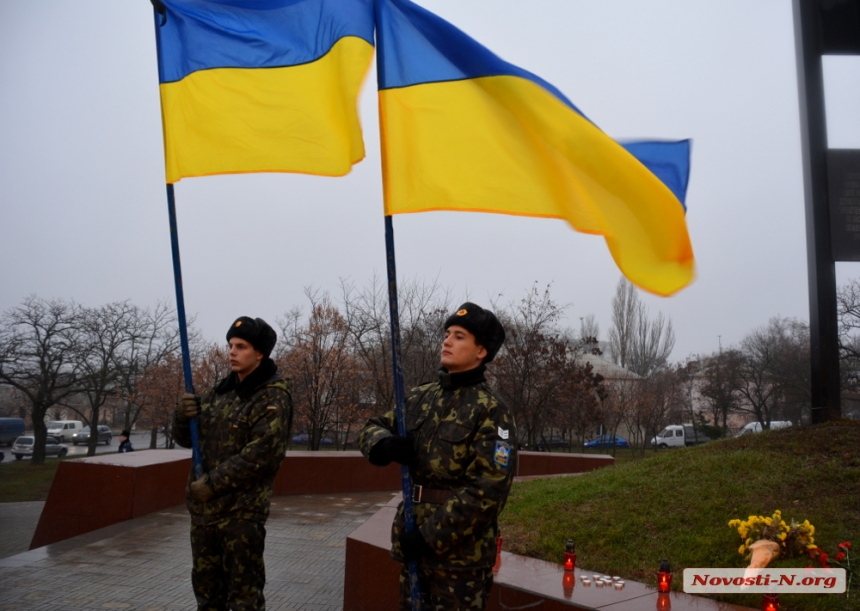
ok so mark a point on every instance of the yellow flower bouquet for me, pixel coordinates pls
(786, 539)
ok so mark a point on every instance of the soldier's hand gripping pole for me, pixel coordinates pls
(183, 330)
(399, 394)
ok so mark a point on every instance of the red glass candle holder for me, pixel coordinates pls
(664, 576)
(569, 555)
(770, 602)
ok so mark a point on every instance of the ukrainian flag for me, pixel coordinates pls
(262, 85)
(464, 130)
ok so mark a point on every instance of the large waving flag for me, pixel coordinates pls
(464, 130)
(262, 85)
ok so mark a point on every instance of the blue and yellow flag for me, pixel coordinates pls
(464, 130)
(262, 85)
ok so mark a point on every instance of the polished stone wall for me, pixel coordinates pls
(98, 491)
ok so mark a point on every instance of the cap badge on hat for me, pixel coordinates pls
(238, 323)
(462, 312)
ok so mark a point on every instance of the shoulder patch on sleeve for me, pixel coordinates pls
(503, 433)
(502, 455)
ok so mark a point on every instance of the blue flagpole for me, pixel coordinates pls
(183, 329)
(399, 400)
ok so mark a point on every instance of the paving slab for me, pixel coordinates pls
(144, 564)
(17, 524)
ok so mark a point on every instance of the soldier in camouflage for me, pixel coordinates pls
(244, 423)
(461, 452)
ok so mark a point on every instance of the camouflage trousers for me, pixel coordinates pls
(228, 571)
(441, 590)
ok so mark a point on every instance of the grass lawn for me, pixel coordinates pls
(676, 504)
(21, 481)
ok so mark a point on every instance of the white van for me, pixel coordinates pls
(678, 436)
(755, 427)
(63, 430)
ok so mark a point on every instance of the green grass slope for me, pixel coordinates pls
(677, 504)
(21, 481)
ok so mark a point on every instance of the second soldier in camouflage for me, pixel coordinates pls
(461, 451)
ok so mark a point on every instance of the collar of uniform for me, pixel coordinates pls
(470, 377)
(262, 374)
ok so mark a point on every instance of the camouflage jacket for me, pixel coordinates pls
(244, 427)
(465, 440)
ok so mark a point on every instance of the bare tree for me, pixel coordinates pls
(636, 342)
(686, 375)
(625, 314)
(366, 315)
(155, 338)
(156, 391)
(623, 397)
(13, 404)
(106, 335)
(772, 363)
(848, 309)
(662, 401)
(211, 364)
(653, 343)
(589, 330)
(581, 413)
(795, 370)
(530, 368)
(720, 386)
(581, 403)
(423, 308)
(161, 382)
(39, 356)
(317, 356)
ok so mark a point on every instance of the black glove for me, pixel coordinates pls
(399, 449)
(187, 407)
(413, 546)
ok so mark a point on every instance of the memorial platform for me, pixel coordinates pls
(113, 534)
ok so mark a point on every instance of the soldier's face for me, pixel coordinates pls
(244, 358)
(459, 350)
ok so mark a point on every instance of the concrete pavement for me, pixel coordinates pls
(144, 564)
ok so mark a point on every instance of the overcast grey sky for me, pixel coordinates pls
(82, 168)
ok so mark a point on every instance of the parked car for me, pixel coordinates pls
(84, 436)
(755, 427)
(10, 429)
(23, 447)
(607, 441)
(553, 441)
(304, 438)
(678, 436)
(64, 429)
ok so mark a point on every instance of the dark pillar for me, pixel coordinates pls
(823, 330)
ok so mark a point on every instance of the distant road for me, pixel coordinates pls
(140, 441)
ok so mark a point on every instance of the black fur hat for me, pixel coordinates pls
(481, 323)
(256, 332)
